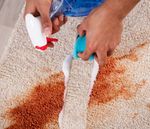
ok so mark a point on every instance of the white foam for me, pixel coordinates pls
(66, 70)
(93, 76)
(66, 67)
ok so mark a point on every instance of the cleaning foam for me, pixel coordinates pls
(66, 70)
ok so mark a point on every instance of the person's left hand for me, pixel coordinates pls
(103, 33)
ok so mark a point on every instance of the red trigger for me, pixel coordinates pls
(49, 40)
(42, 48)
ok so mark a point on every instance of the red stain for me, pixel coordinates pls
(46, 100)
(132, 53)
(131, 56)
(148, 105)
(142, 45)
(41, 106)
(105, 88)
(111, 82)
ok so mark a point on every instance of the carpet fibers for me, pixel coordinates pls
(33, 94)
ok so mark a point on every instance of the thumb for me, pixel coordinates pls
(86, 54)
(46, 24)
(81, 29)
(45, 18)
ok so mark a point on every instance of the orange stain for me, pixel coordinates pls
(45, 102)
(41, 106)
(135, 115)
(111, 82)
(148, 105)
(105, 88)
(131, 56)
(132, 53)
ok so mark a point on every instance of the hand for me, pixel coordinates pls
(103, 32)
(103, 28)
(41, 8)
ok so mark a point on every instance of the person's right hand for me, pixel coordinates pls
(41, 8)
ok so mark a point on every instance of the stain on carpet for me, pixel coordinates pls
(45, 102)
(40, 107)
(111, 82)
(148, 105)
(132, 53)
(135, 115)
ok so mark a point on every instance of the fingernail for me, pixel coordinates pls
(47, 32)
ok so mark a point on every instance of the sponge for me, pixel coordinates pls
(80, 46)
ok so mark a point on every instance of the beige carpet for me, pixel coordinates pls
(32, 83)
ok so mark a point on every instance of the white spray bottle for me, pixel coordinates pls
(73, 8)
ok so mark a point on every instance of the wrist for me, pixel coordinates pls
(110, 13)
(120, 8)
(115, 11)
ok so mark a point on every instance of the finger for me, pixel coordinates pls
(56, 26)
(86, 54)
(30, 8)
(81, 29)
(101, 57)
(47, 27)
(56, 23)
(55, 30)
(61, 19)
(45, 19)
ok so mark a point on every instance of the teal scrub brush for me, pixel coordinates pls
(80, 46)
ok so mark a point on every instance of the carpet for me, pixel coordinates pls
(33, 94)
